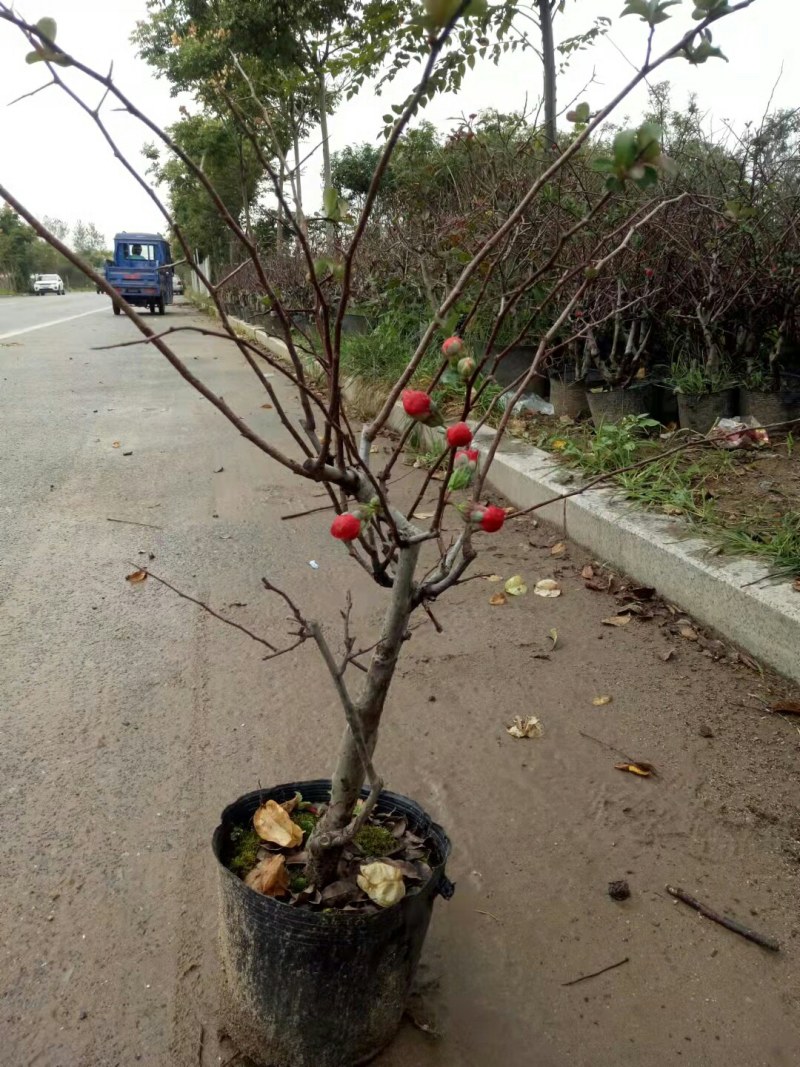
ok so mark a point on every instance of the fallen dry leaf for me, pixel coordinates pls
(558, 549)
(689, 633)
(618, 620)
(270, 876)
(553, 635)
(494, 578)
(136, 577)
(382, 883)
(423, 514)
(786, 707)
(115, 444)
(530, 727)
(596, 586)
(640, 768)
(667, 656)
(588, 571)
(272, 823)
(267, 406)
(289, 805)
(497, 599)
(547, 587)
(516, 586)
(600, 701)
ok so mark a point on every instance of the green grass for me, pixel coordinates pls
(682, 484)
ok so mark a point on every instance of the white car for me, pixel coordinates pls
(48, 283)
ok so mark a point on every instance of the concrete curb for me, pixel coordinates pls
(762, 619)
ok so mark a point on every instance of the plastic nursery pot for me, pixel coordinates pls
(768, 408)
(308, 988)
(516, 362)
(700, 412)
(568, 397)
(611, 405)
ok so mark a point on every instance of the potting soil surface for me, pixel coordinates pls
(130, 717)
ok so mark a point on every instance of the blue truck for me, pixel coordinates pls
(141, 271)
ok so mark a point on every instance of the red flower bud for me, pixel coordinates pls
(416, 403)
(452, 347)
(466, 367)
(467, 459)
(489, 518)
(579, 314)
(648, 272)
(346, 527)
(458, 435)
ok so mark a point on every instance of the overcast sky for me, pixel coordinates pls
(53, 159)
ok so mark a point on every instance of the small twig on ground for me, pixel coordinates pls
(201, 1045)
(302, 514)
(729, 924)
(605, 744)
(205, 607)
(594, 974)
(130, 522)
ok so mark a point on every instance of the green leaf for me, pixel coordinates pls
(460, 479)
(625, 149)
(583, 112)
(34, 57)
(330, 202)
(47, 27)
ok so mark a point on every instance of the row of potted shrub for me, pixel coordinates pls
(684, 397)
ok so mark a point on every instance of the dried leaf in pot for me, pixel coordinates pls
(382, 883)
(272, 823)
(270, 877)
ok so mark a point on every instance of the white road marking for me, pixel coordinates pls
(53, 322)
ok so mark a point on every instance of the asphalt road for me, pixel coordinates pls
(129, 718)
(25, 314)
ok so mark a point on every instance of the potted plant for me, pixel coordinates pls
(620, 356)
(327, 885)
(705, 391)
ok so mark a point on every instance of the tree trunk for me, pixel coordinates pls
(349, 776)
(279, 230)
(326, 155)
(549, 61)
(297, 179)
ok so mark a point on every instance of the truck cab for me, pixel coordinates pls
(141, 271)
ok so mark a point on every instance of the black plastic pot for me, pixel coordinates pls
(611, 405)
(702, 411)
(515, 362)
(769, 408)
(318, 989)
(568, 397)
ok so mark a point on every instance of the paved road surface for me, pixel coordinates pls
(25, 314)
(129, 718)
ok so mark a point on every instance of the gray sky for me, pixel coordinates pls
(53, 159)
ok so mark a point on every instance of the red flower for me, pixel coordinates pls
(452, 347)
(648, 272)
(467, 459)
(458, 435)
(346, 527)
(489, 518)
(416, 403)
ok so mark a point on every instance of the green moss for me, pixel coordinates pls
(375, 840)
(305, 820)
(298, 883)
(246, 844)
